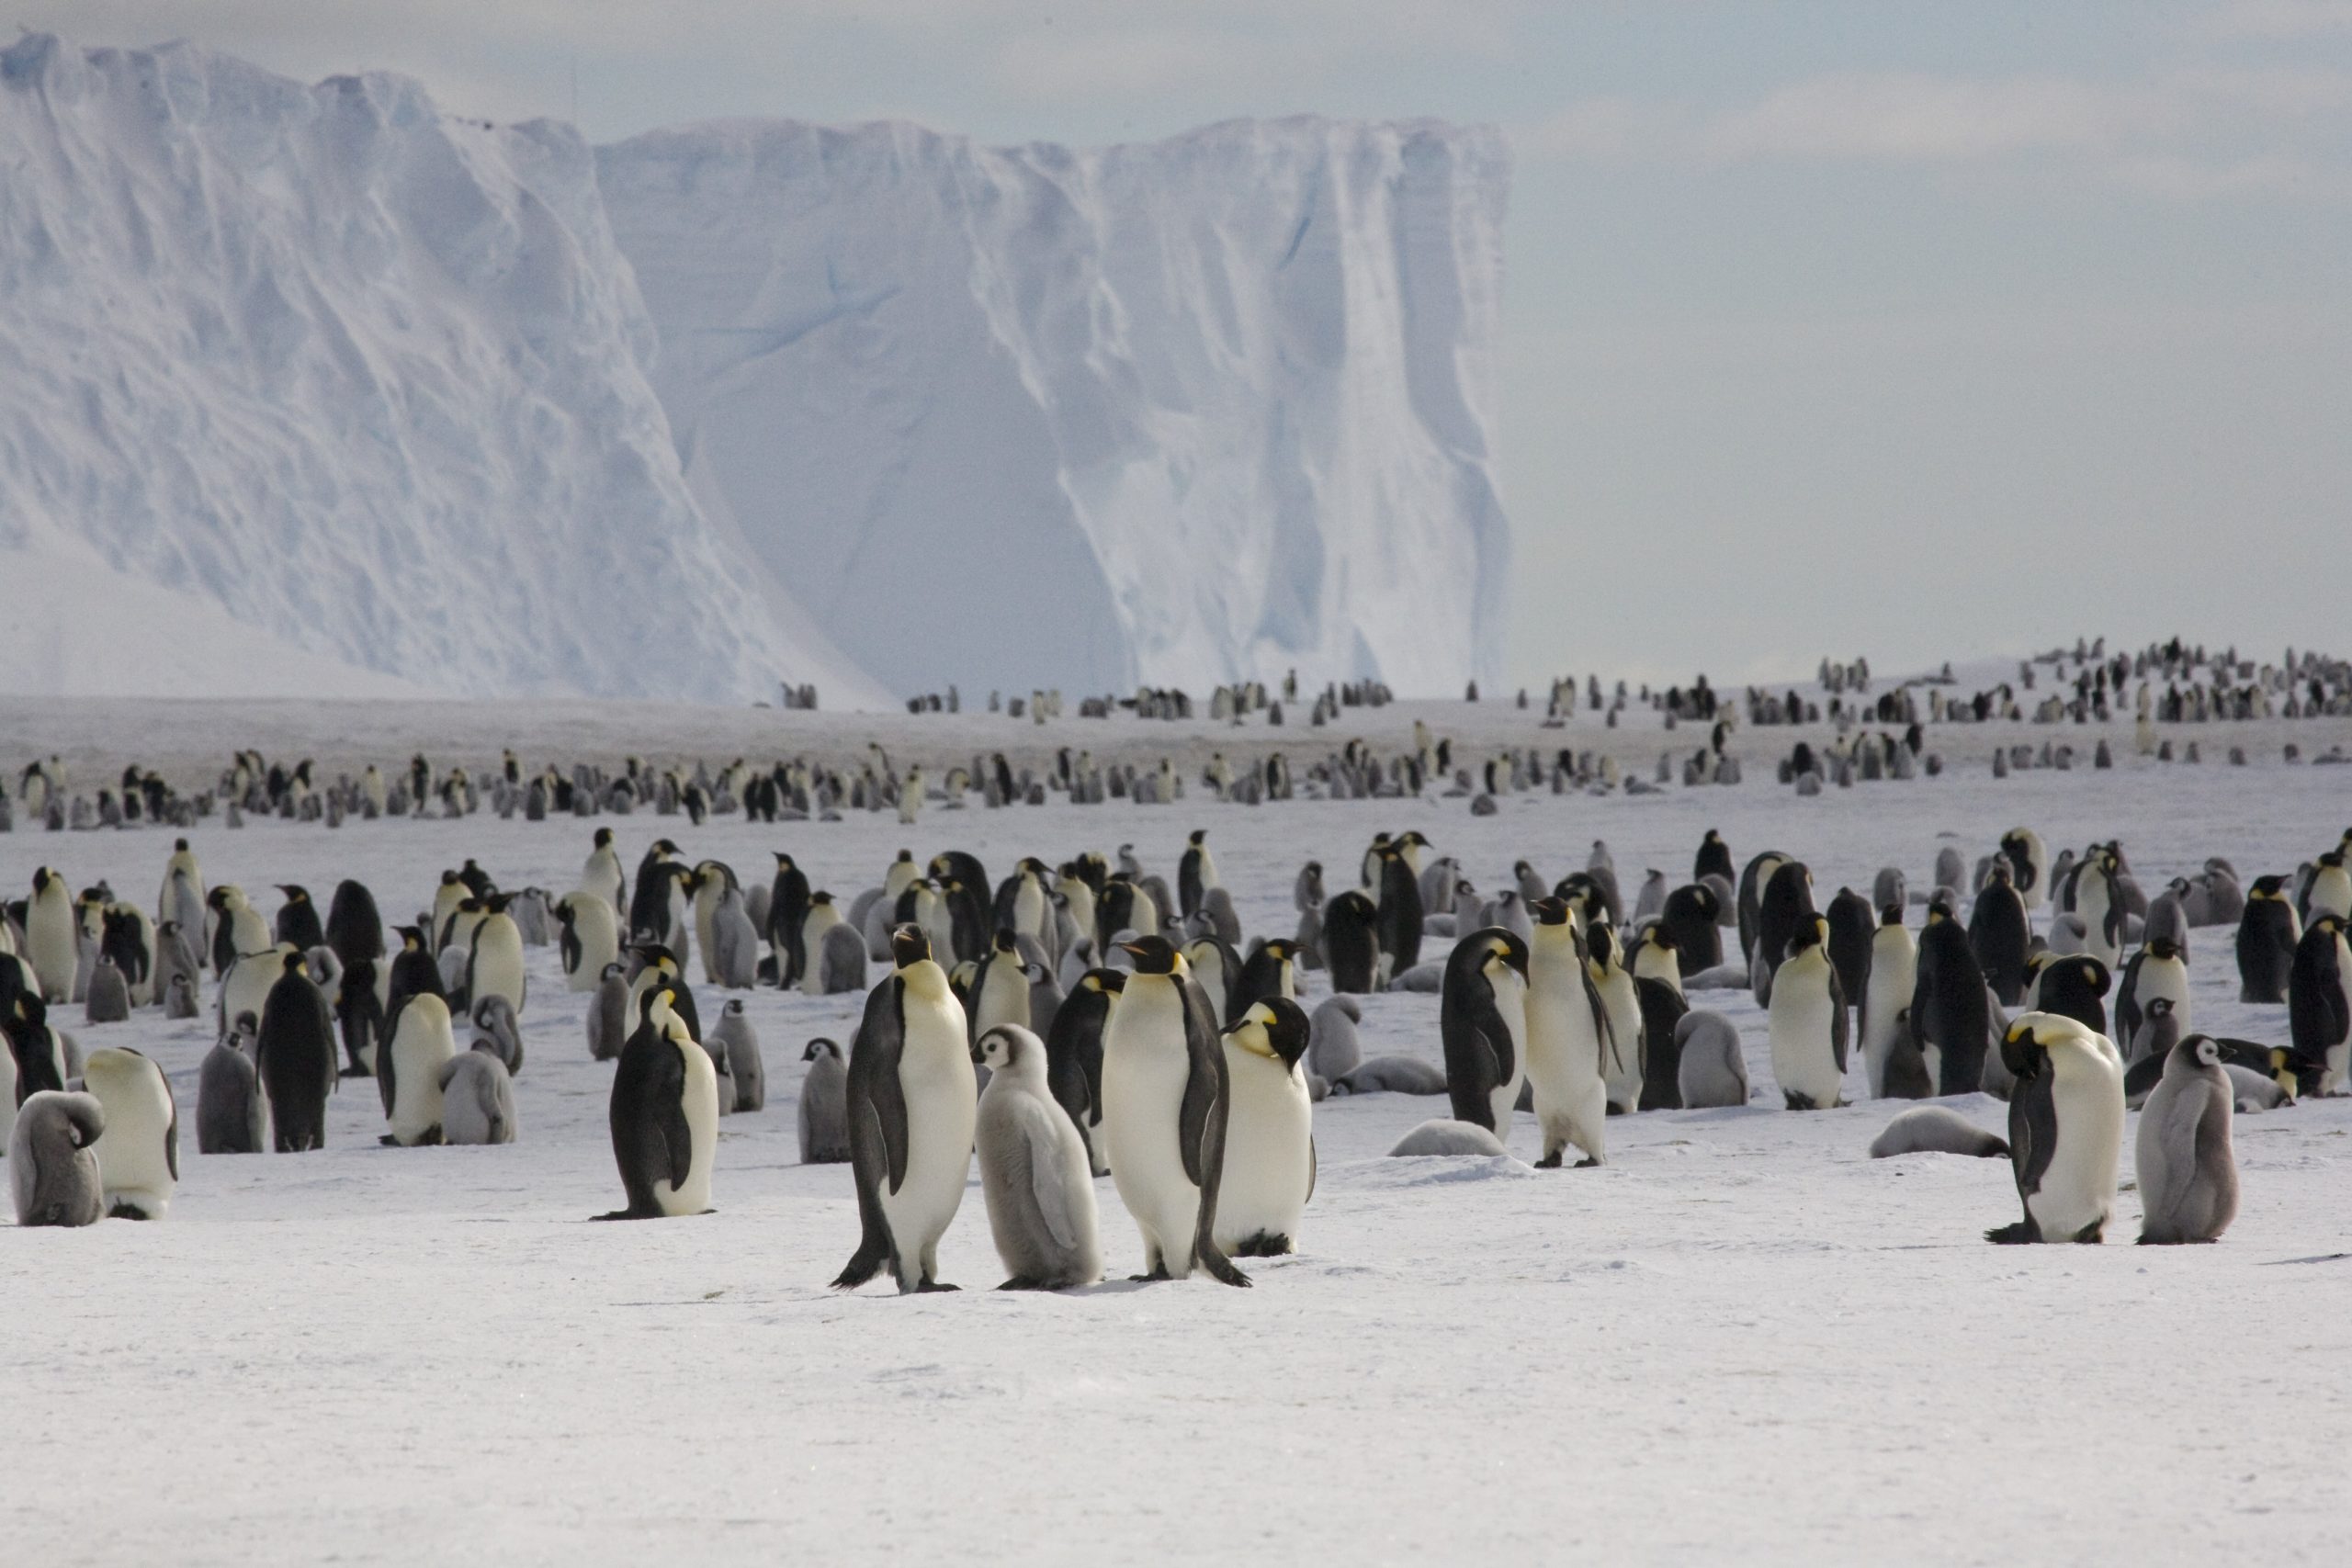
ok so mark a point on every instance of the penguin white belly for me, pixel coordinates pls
(2337, 1065)
(1269, 1140)
(2078, 1189)
(699, 1099)
(1805, 1060)
(2091, 904)
(1029, 908)
(248, 930)
(1894, 972)
(821, 918)
(133, 1170)
(51, 946)
(1564, 1067)
(2332, 892)
(1143, 1089)
(943, 1102)
(1004, 998)
(596, 930)
(498, 962)
(422, 1043)
(1622, 1077)
(1502, 1101)
(2167, 978)
(705, 905)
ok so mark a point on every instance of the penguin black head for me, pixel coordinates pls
(2163, 947)
(1505, 948)
(496, 902)
(604, 840)
(1196, 836)
(653, 955)
(1110, 982)
(905, 857)
(1005, 942)
(179, 846)
(1999, 874)
(661, 996)
(411, 937)
(1274, 1026)
(295, 963)
(1006, 1047)
(820, 1047)
(1552, 911)
(2333, 857)
(1891, 916)
(820, 896)
(294, 895)
(1153, 955)
(1938, 908)
(42, 877)
(1282, 948)
(1658, 936)
(1812, 934)
(783, 861)
(909, 945)
(1601, 945)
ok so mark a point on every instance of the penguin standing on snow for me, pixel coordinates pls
(1887, 998)
(2066, 1128)
(1196, 874)
(2028, 860)
(1809, 1027)
(602, 876)
(1400, 920)
(139, 1155)
(418, 1043)
(297, 1051)
(824, 1105)
(2000, 936)
(1691, 924)
(1033, 1173)
(1482, 1018)
(664, 1115)
(1566, 1039)
(1950, 1018)
(1074, 1056)
(1351, 942)
(1622, 1068)
(2158, 971)
(1269, 1134)
(1166, 1101)
(912, 1101)
(2189, 1174)
(2318, 1001)
(590, 937)
(2267, 933)
(787, 922)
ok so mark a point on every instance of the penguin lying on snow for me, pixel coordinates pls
(1936, 1129)
(1442, 1137)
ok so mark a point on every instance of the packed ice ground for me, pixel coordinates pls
(1742, 1339)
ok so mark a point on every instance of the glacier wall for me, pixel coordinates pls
(1183, 412)
(364, 375)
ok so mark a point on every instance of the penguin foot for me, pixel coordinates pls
(1025, 1285)
(1265, 1244)
(388, 1140)
(357, 1073)
(1549, 1162)
(2091, 1235)
(1157, 1277)
(2020, 1234)
(122, 1210)
(1588, 1163)
(931, 1287)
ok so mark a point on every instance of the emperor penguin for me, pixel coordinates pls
(1000, 995)
(237, 927)
(2028, 860)
(2099, 903)
(181, 897)
(1269, 1134)
(495, 958)
(1166, 1099)
(297, 1057)
(1621, 1071)
(710, 882)
(664, 1115)
(1567, 1032)
(602, 875)
(53, 1171)
(2066, 1128)
(839, 968)
(418, 1043)
(1887, 996)
(1271, 970)
(1033, 1173)
(1482, 1020)
(1999, 935)
(788, 933)
(912, 1101)
(1854, 924)
(139, 1154)
(2318, 1001)
(52, 936)
(1783, 911)
(1196, 874)
(590, 937)
(608, 1015)
(2189, 1174)
(1655, 958)
(1950, 1023)
(1351, 942)
(477, 1098)
(1074, 1056)
(660, 966)
(298, 918)
(2160, 969)
(817, 919)
(2329, 891)
(230, 1116)
(2267, 933)
(1808, 1022)
(824, 1105)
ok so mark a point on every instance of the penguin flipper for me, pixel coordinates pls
(668, 1085)
(1202, 1113)
(1041, 1145)
(2033, 1130)
(1841, 1026)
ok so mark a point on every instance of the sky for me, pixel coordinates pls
(1912, 330)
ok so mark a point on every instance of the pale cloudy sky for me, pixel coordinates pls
(1903, 327)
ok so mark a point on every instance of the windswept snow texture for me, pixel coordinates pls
(1178, 412)
(367, 376)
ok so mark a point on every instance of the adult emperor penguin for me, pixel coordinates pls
(1074, 1056)
(2028, 860)
(494, 961)
(1271, 970)
(788, 932)
(1613, 984)
(297, 1057)
(52, 935)
(1482, 1020)
(1351, 942)
(2329, 891)
(602, 876)
(1001, 991)
(1196, 874)
(1566, 1039)
(139, 1154)
(2066, 1128)
(2099, 903)
(1399, 921)
(2189, 1174)
(664, 1114)
(1033, 1173)
(589, 940)
(1269, 1134)
(1950, 1018)
(1783, 911)
(1166, 1098)
(1809, 1024)
(913, 1100)
(418, 1042)
(2318, 1001)
(2267, 933)
(52, 1173)
(298, 918)
(1853, 926)
(237, 927)
(1713, 858)
(1999, 935)
(1887, 996)
(181, 898)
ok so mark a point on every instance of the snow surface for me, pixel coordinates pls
(1742, 1340)
(1180, 412)
(365, 377)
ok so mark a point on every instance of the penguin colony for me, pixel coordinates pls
(1073, 1021)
